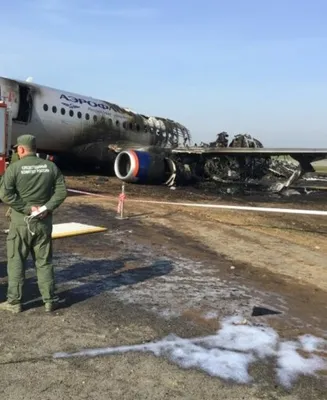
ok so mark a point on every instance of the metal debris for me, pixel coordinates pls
(275, 174)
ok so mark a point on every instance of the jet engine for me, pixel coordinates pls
(134, 166)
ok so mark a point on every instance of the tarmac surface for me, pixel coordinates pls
(155, 293)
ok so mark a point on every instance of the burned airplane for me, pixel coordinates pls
(137, 148)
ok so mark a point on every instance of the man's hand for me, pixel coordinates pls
(41, 216)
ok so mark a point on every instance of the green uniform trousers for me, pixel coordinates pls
(20, 242)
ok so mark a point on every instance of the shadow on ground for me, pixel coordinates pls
(89, 278)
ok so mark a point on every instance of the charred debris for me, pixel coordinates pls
(233, 174)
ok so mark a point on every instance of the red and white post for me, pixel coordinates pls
(121, 200)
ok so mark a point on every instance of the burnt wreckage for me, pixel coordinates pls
(155, 150)
(240, 167)
(166, 163)
(80, 131)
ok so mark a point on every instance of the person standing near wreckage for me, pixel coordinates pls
(27, 185)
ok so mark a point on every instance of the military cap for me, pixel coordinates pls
(26, 140)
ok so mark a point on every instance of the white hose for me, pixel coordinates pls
(205, 205)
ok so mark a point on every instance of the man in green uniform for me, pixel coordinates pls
(27, 185)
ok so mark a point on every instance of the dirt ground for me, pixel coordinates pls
(162, 271)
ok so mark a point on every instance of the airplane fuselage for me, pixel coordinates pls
(68, 122)
(140, 148)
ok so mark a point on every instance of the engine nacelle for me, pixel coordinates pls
(134, 166)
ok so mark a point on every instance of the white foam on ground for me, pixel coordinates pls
(291, 364)
(211, 315)
(186, 286)
(229, 353)
(311, 343)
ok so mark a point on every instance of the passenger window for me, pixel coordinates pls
(130, 126)
(79, 114)
(125, 125)
(95, 118)
(138, 127)
(54, 109)
(87, 116)
(71, 113)
(45, 107)
(117, 123)
(63, 111)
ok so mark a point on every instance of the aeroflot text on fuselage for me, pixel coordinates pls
(89, 102)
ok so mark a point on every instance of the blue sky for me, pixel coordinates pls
(253, 66)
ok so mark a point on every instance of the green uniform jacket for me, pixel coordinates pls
(29, 182)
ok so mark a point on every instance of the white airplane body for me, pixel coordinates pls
(141, 148)
(59, 118)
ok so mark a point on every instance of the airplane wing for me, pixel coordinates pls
(247, 151)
